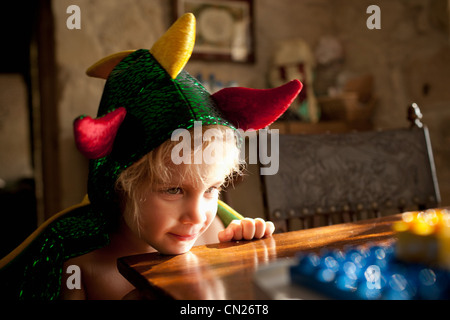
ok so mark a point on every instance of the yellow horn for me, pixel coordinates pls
(103, 68)
(174, 48)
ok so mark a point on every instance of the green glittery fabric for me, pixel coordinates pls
(156, 105)
(36, 273)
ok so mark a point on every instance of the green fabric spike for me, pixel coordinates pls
(227, 214)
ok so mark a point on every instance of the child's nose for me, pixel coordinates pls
(194, 212)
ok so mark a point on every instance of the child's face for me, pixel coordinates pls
(174, 215)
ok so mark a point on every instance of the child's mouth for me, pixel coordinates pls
(184, 237)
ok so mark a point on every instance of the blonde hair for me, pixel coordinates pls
(157, 168)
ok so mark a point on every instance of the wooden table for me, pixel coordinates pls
(226, 270)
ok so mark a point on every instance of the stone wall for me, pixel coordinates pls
(409, 58)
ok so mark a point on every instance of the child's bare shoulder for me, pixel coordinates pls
(72, 284)
(100, 278)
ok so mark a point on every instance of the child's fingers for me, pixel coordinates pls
(248, 228)
(260, 228)
(270, 229)
(226, 235)
(236, 226)
(233, 231)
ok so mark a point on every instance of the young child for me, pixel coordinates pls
(139, 199)
(168, 208)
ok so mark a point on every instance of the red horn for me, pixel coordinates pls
(256, 108)
(95, 137)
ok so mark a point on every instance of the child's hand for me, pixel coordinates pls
(247, 229)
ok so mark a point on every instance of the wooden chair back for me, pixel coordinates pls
(325, 179)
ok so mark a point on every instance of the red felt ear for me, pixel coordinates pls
(254, 109)
(95, 137)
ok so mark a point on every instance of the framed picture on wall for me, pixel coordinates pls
(224, 29)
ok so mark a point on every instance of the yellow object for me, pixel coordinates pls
(424, 237)
(444, 247)
(172, 50)
(227, 214)
(103, 68)
(175, 47)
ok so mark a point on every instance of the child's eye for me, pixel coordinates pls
(173, 191)
(213, 190)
